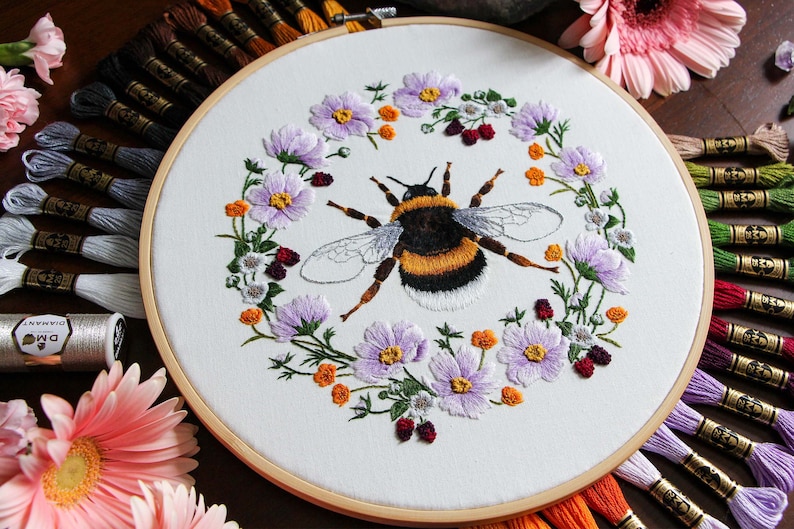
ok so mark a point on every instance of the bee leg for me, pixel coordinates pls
(498, 248)
(446, 188)
(476, 200)
(393, 200)
(382, 272)
(372, 222)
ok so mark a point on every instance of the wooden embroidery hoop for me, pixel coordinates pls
(175, 346)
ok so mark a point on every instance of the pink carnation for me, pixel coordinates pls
(49, 47)
(18, 107)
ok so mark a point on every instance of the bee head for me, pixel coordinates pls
(417, 190)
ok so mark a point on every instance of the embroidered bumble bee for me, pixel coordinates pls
(437, 245)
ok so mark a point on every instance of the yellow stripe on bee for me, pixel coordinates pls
(421, 202)
(429, 265)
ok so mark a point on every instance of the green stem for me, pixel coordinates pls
(368, 387)
(11, 53)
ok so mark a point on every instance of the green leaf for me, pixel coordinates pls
(251, 339)
(241, 248)
(628, 253)
(452, 114)
(411, 387)
(265, 246)
(511, 102)
(565, 327)
(465, 97)
(383, 395)
(493, 95)
(266, 304)
(573, 352)
(612, 222)
(274, 289)
(397, 409)
(233, 267)
(610, 340)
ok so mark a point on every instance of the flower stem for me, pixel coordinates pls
(11, 53)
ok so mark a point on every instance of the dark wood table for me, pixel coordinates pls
(751, 91)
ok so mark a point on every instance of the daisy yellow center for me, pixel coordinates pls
(343, 115)
(77, 477)
(280, 200)
(460, 385)
(581, 169)
(429, 94)
(390, 355)
(535, 352)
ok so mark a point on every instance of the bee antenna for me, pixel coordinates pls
(395, 180)
(431, 176)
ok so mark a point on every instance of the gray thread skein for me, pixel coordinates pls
(31, 199)
(65, 137)
(18, 235)
(41, 166)
(120, 292)
(112, 71)
(97, 100)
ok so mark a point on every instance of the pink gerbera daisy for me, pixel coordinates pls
(84, 471)
(165, 507)
(647, 45)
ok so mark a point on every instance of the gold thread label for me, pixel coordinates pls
(630, 521)
(767, 304)
(724, 438)
(754, 235)
(749, 406)
(214, 40)
(128, 118)
(104, 150)
(167, 75)
(59, 207)
(733, 176)
(67, 243)
(728, 145)
(89, 177)
(185, 56)
(755, 339)
(759, 266)
(753, 369)
(711, 476)
(744, 199)
(265, 12)
(49, 280)
(148, 98)
(237, 27)
(671, 497)
(42, 338)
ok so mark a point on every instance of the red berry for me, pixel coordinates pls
(584, 367)
(454, 128)
(599, 355)
(470, 136)
(405, 428)
(486, 131)
(287, 257)
(320, 179)
(276, 270)
(427, 431)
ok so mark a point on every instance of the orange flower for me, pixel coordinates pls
(251, 316)
(388, 113)
(484, 339)
(387, 132)
(536, 176)
(340, 394)
(511, 396)
(553, 252)
(325, 375)
(617, 314)
(238, 208)
(536, 151)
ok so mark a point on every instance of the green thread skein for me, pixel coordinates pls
(751, 235)
(754, 265)
(778, 199)
(765, 176)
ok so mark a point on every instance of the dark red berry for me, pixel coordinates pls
(287, 257)
(486, 131)
(276, 270)
(543, 309)
(599, 355)
(454, 128)
(427, 431)
(320, 179)
(405, 428)
(470, 136)
(584, 367)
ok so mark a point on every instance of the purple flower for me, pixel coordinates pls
(533, 120)
(300, 317)
(462, 387)
(597, 262)
(580, 165)
(294, 145)
(424, 92)
(387, 348)
(281, 200)
(341, 116)
(533, 352)
(784, 56)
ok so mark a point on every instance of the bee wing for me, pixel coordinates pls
(342, 260)
(525, 221)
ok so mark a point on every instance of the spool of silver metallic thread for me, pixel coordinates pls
(71, 342)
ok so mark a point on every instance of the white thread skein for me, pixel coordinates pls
(17, 235)
(640, 472)
(62, 136)
(115, 292)
(29, 199)
(42, 166)
(752, 507)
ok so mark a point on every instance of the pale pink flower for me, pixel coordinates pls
(18, 107)
(16, 421)
(49, 47)
(648, 46)
(165, 507)
(84, 471)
